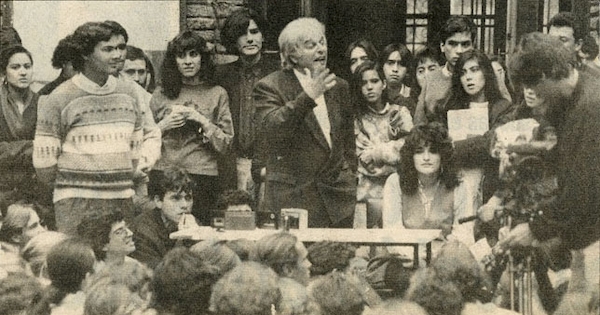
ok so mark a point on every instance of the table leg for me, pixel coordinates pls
(428, 255)
(416, 255)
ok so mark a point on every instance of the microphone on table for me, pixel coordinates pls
(467, 219)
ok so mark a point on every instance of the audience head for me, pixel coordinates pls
(16, 64)
(436, 296)
(455, 263)
(474, 80)
(360, 51)
(295, 299)
(173, 193)
(133, 275)
(20, 224)
(107, 233)
(396, 307)
(456, 37)
(182, 283)
(568, 29)
(426, 61)
(244, 248)
(17, 290)
(302, 44)
(36, 251)
(235, 200)
(217, 254)
(387, 275)
(69, 263)
(108, 299)
(63, 56)
(336, 294)
(427, 151)
(396, 61)
(285, 254)
(326, 256)
(542, 63)
(187, 58)
(242, 33)
(137, 67)
(249, 289)
(100, 47)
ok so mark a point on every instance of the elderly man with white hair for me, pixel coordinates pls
(305, 114)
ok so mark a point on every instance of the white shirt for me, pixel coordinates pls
(320, 110)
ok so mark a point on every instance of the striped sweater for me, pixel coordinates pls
(87, 139)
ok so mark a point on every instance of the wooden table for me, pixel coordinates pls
(369, 237)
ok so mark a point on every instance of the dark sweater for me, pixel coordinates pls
(575, 216)
(151, 238)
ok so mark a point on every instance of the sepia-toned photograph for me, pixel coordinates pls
(300, 157)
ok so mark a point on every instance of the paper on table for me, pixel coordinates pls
(467, 123)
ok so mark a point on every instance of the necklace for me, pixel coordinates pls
(427, 201)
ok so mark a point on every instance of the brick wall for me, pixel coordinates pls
(206, 17)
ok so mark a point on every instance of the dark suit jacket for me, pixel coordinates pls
(302, 170)
(151, 238)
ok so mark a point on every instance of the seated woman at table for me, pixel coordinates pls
(429, 193)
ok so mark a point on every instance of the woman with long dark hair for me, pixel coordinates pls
(426, 192)
(18, 116)
(193, 114)
(474, 85)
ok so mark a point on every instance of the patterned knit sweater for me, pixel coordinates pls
(87, 139)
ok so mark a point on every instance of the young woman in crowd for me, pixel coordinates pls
(360, 51)
(396, 61)
(69, 264)
(429, 193)
(426, 61)
(474, 86)
(380, 128)
(194, 117)
(18, 116)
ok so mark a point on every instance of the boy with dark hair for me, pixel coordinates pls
(242, 35)
(89, 131)
(456, 37)
(138, 68)
(173, 199)
(108, 235)
(62, 58)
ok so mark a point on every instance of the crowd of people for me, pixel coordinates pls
(104, 163)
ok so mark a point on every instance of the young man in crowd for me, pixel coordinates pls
(151, 229)
(89, 131)
(62, 59)
(242, 35)
(137, 67)
(568, 29)
(544, 65)
(108, 235)
(456, 37)
(304, 113)
(285, 254)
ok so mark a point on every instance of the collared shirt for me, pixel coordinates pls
(320, 111)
